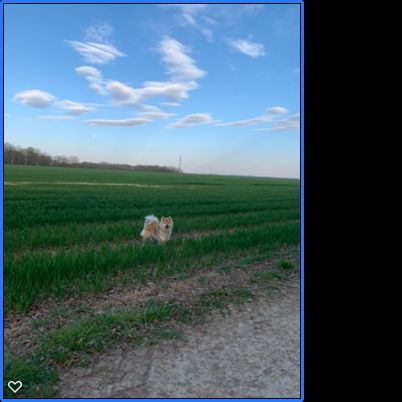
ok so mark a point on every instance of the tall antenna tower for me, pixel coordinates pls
(180, 164)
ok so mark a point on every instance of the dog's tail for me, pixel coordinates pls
(149, 219)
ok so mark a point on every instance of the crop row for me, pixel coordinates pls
(40, 276)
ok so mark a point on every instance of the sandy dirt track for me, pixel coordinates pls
(252, 352)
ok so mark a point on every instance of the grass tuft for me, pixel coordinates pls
(39, 379)
(284, 264)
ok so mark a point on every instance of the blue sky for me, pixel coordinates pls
(143, 84)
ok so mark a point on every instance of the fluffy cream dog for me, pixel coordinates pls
(160, 231)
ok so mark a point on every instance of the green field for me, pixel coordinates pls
(70, 231)
(71, 234)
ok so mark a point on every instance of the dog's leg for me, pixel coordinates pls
(147, 235)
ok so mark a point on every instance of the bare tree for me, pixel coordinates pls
(61, 159)
(73, 160)
(14, 155)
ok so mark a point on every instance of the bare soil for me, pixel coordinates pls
(252, 352)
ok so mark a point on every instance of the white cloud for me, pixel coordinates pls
(90, 73)
(181, 67)
(74, 108)
(171, 90)
(55, 117)
(292, 123)
(101, 32)
(247, 47)
(96, 53)
(94, 76)
(150, 113)
(41, 99)
(155, 115)
(125, 95)
(124, 123)
(35, 98)
(192, 120)
(266, 117)
(7, 115)
(98, 88)
(276, 110)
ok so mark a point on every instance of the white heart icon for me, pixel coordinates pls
(14, 385)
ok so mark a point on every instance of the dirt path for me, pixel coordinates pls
(252, 352)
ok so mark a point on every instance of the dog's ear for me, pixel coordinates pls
(170, 218)
(162, 218)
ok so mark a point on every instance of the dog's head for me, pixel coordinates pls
(166, 223)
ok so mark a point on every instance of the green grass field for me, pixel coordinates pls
(72, 231)
(70, 234)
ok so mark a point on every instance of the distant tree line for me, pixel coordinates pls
(14, 155)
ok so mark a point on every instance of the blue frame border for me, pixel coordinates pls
(301, 3)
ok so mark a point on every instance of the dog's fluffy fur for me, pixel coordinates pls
(160, 231)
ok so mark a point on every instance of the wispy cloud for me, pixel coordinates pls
(98, 88)
(96, 53)
(155, 115)
(97, 46)
(191, 120)
(136, 121)
(190, 18)
(34, 98)
(101, 33)
(248, 122)
(189, 15)
(266, 117)
(7, 115)
(181, 66)
(74, 108)
(90, 73)
(149, 114)
(94, 76)
(247, 47)
(292, 123)
(276, 110)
